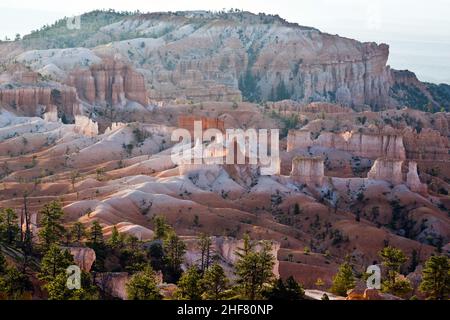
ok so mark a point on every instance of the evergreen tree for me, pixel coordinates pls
(253, 269)
(284, 291)
(2, 263)
(214, 282)
(205, 250)
(96, 234)
(54, 262)
(52, 230)
(57, 289)
(132, 257)
(143, 286)
(343, 280)
(436, 278)
(116, 239)
(393, 259)
(9, 228)
(14, 284)
(174, 250)
(190, 285)
(161, 228)
(97, 243)
(78, 232)
(156, 253)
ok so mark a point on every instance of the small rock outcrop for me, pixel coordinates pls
(85, 126)
(83, 257)
(388, 170)
(413, 180)
(308, 170)
(187, 122)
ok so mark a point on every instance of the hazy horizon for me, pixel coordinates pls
(418, 34)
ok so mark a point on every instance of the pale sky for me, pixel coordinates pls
(418, 31)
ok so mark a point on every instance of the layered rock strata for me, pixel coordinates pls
(308, 170)
(388, 170)
(358, 144)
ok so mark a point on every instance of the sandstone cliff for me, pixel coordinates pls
(356, 143)
(111, 82)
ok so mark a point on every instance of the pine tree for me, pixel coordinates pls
(190, 285)
(132, 257)
(54, 262)
(214, 282)
(284, 291)
(253, 269)
(343, 280)
(143, 286)
(116, 239)
(205, 250)
(161, 228)
(78, 232)
(9, 229)
(2, 263)
(57, 289)
(96, 234)
(174, 250)
(97, 243)
(52, 230)
(436, 278)
(14, 284)
(393, 259)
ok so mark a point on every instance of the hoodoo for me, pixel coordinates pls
(308, 170)
(413, 180)
(387, 169)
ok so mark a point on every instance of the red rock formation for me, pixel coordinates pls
(187, 122)
(32, 100)
(83, 257)
(111, 82)
(429, 144)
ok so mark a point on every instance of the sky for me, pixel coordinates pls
(417, 31)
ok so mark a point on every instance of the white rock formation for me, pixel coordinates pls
(308, 170)
(413, 180)
(388, 170)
